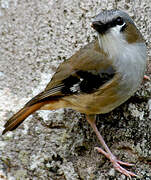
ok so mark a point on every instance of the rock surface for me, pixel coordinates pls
(35, 36)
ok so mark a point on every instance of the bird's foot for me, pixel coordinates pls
(117, 164)
(147, 77)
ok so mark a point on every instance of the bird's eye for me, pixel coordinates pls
(119, 21)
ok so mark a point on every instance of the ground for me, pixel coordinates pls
(35, 37)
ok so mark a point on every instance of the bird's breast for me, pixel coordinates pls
(130, 65)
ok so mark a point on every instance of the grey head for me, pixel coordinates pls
(105, 20)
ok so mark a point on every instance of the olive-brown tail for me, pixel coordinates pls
(20, 116)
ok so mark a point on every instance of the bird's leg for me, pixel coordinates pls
(146, 77)
(116, 163)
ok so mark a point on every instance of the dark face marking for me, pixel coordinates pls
(86, 81)
(104, 27)
(123, 28)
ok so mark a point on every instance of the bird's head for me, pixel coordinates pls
(116, 29)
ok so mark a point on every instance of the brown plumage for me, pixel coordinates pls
(19, 117)
(54, 98)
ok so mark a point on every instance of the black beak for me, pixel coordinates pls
(99, 27)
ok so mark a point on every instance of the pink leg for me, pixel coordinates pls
(146, 77)
(116, 163)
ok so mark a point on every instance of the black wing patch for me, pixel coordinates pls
(80, 82)
(86, 81)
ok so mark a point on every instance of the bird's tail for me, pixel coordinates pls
(20, 116)
(49, 96)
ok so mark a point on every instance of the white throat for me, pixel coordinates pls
(113, 41)
(128, 59)
(115, 45)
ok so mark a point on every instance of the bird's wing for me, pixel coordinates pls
(84, 72)
(86, 59)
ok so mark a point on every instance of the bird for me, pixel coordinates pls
(97, 78)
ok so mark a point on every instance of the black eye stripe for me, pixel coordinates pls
(102, 28)
(114, 23)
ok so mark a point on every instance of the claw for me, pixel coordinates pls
(122, 170)
(147, 77)
(107, 153)
(117, 163)
(125, 163)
